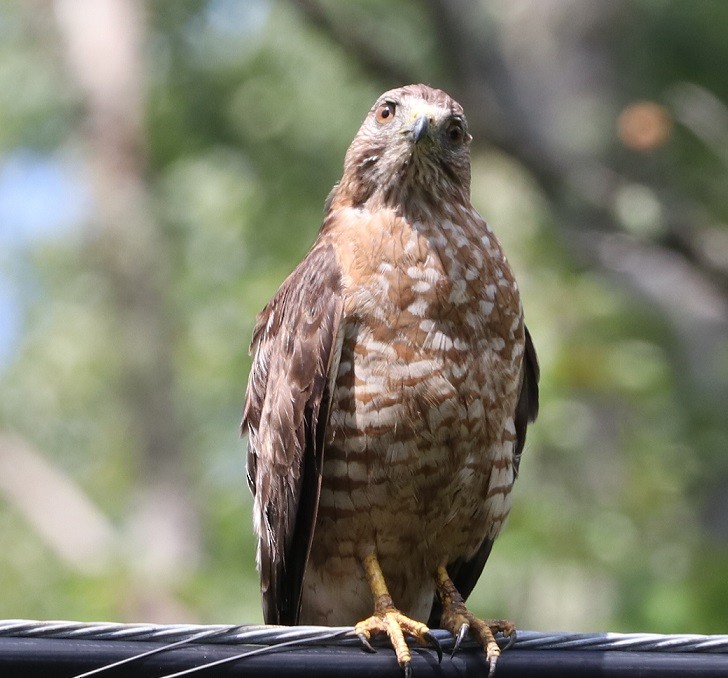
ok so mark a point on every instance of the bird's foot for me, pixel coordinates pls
(396, 625)
(457, 619)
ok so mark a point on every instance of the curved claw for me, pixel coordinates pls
(460, 638)
(511, 639)
(491, 664)
(435, 644)
(366, 645)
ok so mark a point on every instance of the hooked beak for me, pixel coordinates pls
(420, 127)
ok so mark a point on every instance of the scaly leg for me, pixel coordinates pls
(388, 619)
(457, 619)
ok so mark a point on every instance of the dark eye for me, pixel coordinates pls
(385, 112)
(456, 132)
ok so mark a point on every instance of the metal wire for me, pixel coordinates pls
(327, 636)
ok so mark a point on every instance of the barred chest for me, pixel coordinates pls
(426, 388)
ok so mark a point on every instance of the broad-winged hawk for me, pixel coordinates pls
(392, 383)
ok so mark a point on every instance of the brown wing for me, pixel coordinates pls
(296, 346)
(465, 573)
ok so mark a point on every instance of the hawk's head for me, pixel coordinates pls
(413, 148)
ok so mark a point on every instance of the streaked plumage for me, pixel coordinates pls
(392, 382)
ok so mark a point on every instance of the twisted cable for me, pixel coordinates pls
(321, 635)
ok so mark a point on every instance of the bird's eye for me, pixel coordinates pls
(456, 132)
(385, 112)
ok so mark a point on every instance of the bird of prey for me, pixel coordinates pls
(392, 382)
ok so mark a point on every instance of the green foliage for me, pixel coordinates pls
(249, 109)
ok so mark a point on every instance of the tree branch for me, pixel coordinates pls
(386, 70)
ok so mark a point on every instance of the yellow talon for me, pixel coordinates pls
(457, 619)
(388, 619)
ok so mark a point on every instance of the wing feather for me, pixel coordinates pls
(296, 346)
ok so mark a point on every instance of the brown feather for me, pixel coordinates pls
(465, 573)
(295, 347)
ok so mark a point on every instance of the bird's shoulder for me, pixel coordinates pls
(294, 339)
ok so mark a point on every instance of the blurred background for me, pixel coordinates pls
(163, 166)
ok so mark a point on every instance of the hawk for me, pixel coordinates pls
(392, 382)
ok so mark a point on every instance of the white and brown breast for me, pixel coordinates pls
(419, 460)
